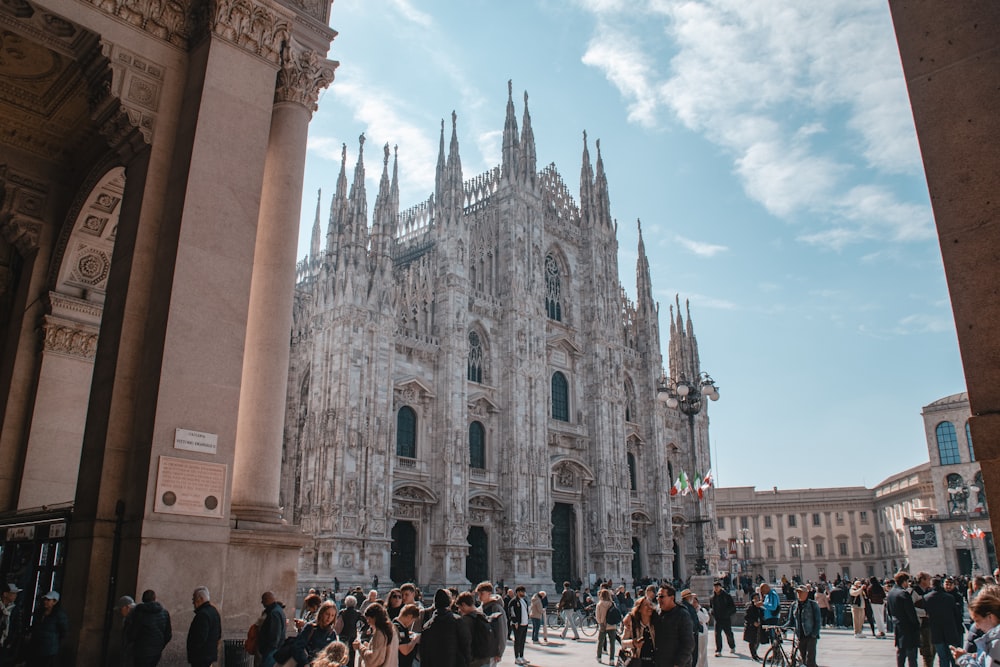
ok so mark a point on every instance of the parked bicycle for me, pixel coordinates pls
(776, 655)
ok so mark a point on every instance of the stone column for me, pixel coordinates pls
(260, 422)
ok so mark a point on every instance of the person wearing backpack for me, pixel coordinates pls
(478, 630)
(608, 617)
(518, 613)
(492, 607)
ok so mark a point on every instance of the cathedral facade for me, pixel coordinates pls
(472, 394)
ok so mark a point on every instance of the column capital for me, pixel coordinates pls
(303, 73)
(22, 201)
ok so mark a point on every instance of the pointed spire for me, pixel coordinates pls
(394, 196)
(335, 231)
(454, 161)
(644, 286)
(358, 213)
(314, 242)
(586, 186)
(528, 157)
(601, 200)
(511, 149)
(439, 176)
(380, 218)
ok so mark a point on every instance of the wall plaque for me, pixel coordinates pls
(193, 488)
(195, 441)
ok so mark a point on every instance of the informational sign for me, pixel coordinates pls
(18, 533)
(196, 441)
(193, 488)
(923, 535)
(57, 530)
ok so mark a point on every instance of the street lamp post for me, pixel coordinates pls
(961, 494)
(801, 546)
(688, 396)
(745, 536)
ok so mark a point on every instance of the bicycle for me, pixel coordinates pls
(776, 656)
(588, 625)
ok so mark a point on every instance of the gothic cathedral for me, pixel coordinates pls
(472, 394)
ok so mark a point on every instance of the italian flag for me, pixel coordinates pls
(680, 485)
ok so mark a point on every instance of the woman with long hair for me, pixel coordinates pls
(985, 613)
(382, 650)
(394, 603)
(640, 639)
(316, 636)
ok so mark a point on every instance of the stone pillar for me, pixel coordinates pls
(56, 437)
(260, 425)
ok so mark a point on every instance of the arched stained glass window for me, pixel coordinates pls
(475, 358)
(560, 397)
(406, 432)
(553, 287)
(477, 446)
(947, 443)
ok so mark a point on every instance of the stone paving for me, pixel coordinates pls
(837, 647)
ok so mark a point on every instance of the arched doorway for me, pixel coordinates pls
(477, 563)
(403, 560)
(563, 541)
(636, 559)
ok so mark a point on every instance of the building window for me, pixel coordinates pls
(722, 523)
(816, 519)
(553, 298)
(968, 438)
(863, 516)
(406, 432)
(839, 516)
(980, 506)
(947, 443)
(744, 523)
(767, 521)
(818, 549)
(772, 575)
(475, 358)
(958, 494)
(842, 547)
(477, 446)
(791, 521)
(867, 547)
(560, 397)
(629, 402)
(770, 551)
(631, 472)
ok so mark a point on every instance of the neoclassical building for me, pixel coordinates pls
(151, 160)
(928, 517)
(471, 393)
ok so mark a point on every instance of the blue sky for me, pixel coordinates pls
(768, 148)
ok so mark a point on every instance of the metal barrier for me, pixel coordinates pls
(234, 655)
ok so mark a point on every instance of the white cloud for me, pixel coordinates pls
(628, 69)
(808, 99)
(411, 13)
(700, 248)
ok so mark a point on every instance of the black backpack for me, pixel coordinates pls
(614, 615)
(482, 637)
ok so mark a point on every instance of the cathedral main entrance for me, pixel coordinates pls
(403, 560)
(563, 540)
(477, 563)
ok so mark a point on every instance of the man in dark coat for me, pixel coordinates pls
(272, 629)
(805, 619)
(674, 632)
(148, 630)
(442, 643)
(48, 632)
(907, 625)
(723, 607)
(205, 631)
(945, 618)
(10, 626)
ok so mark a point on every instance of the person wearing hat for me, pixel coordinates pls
(10, 626)
(723, 607)
(805, 618)
(47, 632)
(124, 607)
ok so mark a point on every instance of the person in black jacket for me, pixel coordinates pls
(752, 618)
(673, 631)
(10, 626)
(272, 628)
(945, 619)
(723, 607)
(205, 631)
(47, 632)
(442, 643)
(907, 626)
(317, 635)
(148, 630)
